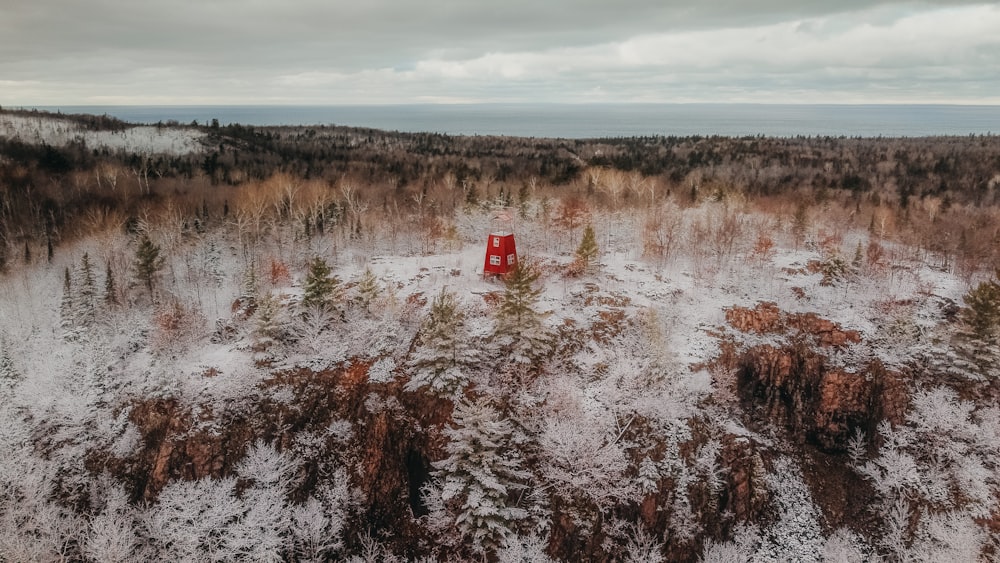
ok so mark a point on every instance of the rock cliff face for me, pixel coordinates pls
(794, 383)
(792, 376)
(394, 436)
(795, 387)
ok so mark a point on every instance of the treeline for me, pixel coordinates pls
(49, 193)
(959, 168)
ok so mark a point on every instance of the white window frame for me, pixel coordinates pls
(496, 242)
(510, 259)
(495, 260)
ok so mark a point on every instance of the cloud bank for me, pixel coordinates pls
(439, 51)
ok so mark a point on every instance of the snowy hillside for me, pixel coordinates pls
(221, 398)
(44, 129)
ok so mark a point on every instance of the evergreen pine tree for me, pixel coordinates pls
(833, 269)
(320, 287)
(982, 312)
(250, 285)
(368, 289)
(519, 327)
(586, 253)
(446, 356)
(267, 331)
(110, 291)
(147, 262)
(482, 476)
(85, 302)
(67, 317)
(213, 263)
(859, 257)
(649, 476)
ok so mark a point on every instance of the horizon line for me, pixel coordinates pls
(496, 103)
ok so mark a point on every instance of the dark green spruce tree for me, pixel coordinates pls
(586, 253)
(320, 288)
(520, 329)
(148, 262)
(446, 357)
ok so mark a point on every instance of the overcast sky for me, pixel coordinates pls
(77, 52)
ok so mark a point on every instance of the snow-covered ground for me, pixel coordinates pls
(639, 333)
(138, 139)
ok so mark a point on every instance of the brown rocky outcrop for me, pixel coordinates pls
(171, 450)
(795, 387)
(793, 384)
(767, 318)
(394, 437)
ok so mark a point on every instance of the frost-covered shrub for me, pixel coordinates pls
(176, 325)
(583, 460)
(642, 547)
(939, 468)
(191, 520)
(113, 533)
(209, 519)
(523, 549)
(311, 328)
(844, 546)
(740, 549)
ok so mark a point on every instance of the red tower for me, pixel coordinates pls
(501, 254)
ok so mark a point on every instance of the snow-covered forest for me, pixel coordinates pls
(215, 350)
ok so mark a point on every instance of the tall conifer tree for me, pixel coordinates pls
(85, 302)
(110, 291)
(147, 262)
(320, 287)
(67, 312)
(368, 289)
(482, 476)
(586, 253)
(445, 357)
(520, 329)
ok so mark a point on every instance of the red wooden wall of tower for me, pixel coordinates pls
(501, 254)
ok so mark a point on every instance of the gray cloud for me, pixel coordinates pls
(315, 51)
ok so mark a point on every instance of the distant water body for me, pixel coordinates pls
(595, 120)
